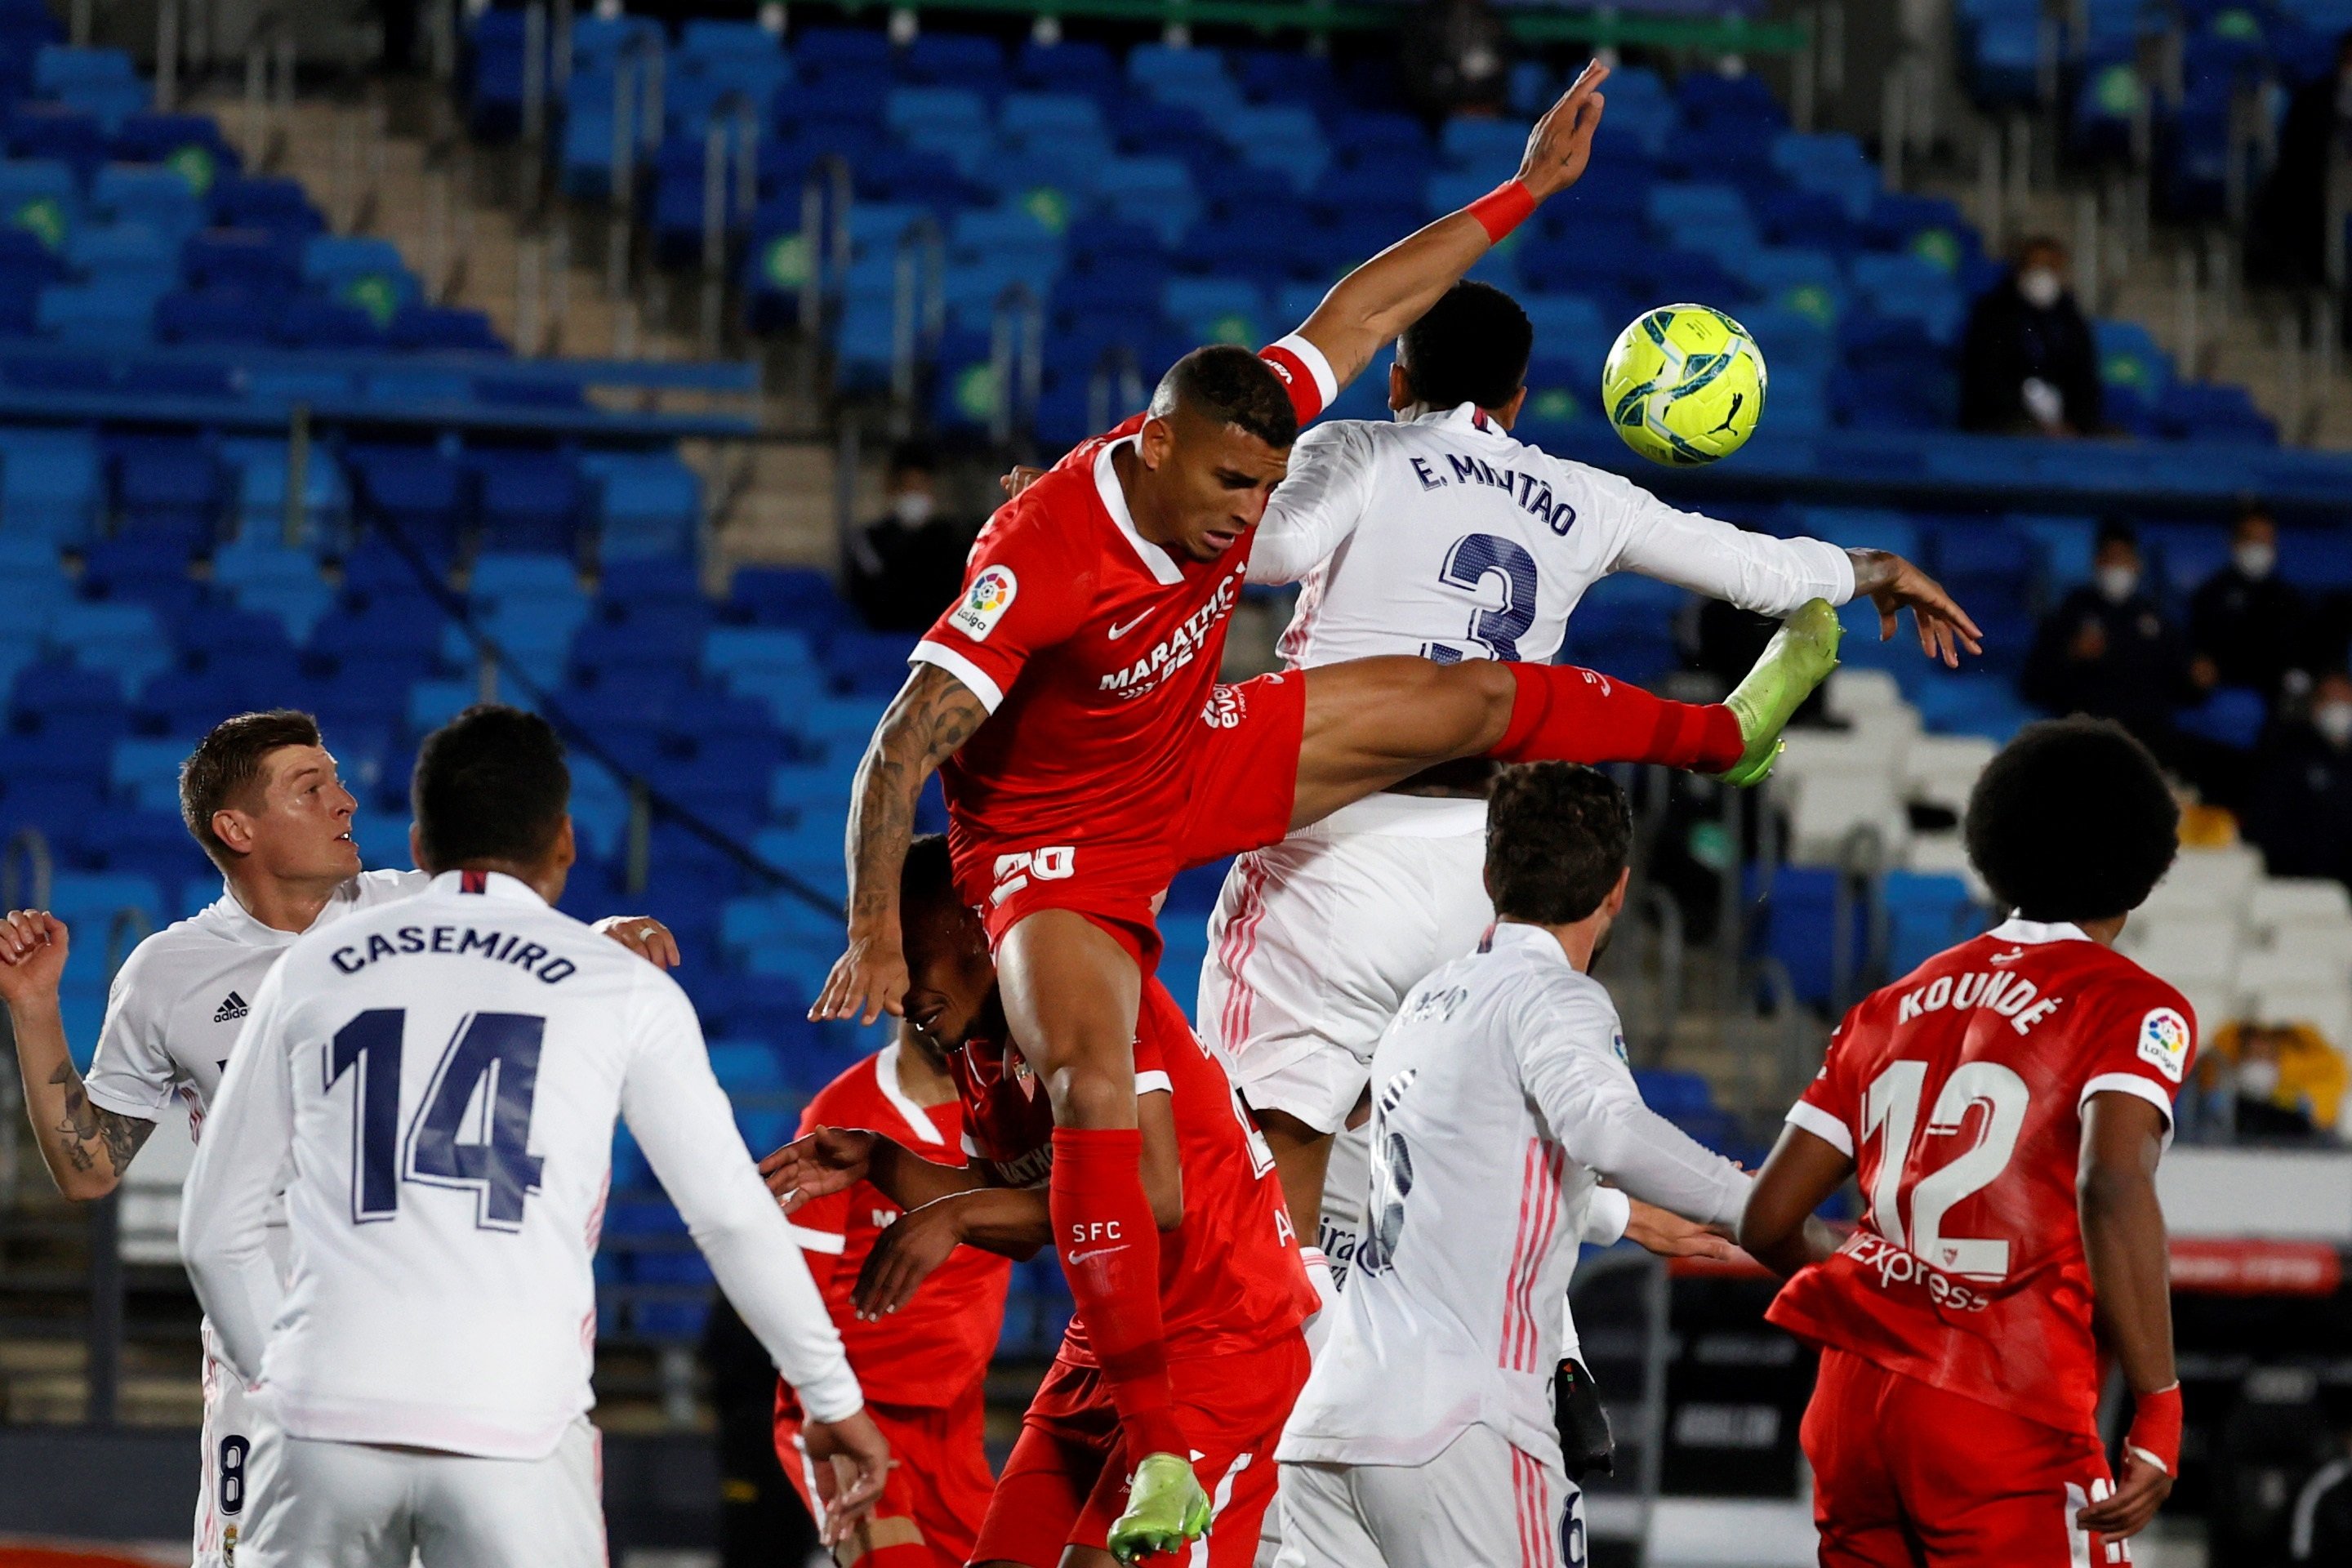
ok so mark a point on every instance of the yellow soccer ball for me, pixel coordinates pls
(1684, 385)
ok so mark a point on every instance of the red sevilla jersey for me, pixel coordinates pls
(935, 1348)
(1094, 650)
(1230, 1277)
(1958, 1090)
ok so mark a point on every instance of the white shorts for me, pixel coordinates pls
(356, 1505)
(1315, 940)
(236, 1433)
(1480, 1501)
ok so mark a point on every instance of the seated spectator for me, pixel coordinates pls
(2028, 364)
(907, 565)
(2301, 811)
(2107, 651)
(2286, 1080)
(2245, 623)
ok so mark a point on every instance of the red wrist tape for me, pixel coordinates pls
(2155, 1433)
(1503, 209)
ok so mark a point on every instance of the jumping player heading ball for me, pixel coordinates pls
(1089, 754)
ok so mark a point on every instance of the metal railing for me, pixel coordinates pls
(918, 312)
(1016, 360)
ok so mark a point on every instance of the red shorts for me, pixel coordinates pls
(1065, 1481)
(1242, 777)
(937, 1491)
(1907, 1474)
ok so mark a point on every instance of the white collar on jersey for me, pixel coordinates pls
(494, 885)
(1156, 561)
(2018, 928)
(1535, 938)
(246, 929)
(886, 1074)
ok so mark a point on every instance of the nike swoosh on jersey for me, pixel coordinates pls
(1118, 632)
(1079, 1259)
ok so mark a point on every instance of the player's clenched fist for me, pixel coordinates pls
(32, 954)
(851, 1462)
(828, 1161)
(868, 981)
(1562, 144)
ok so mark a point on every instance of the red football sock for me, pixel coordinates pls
(1567, 714)
(1110, 1251)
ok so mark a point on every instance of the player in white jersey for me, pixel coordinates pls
(434, 1086)
(1441, 535)
(1424, 1436)
(261, 797)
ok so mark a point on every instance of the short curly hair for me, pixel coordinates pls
(1558, 834)
(2073, 821)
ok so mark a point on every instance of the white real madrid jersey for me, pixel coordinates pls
(439, 1081)
(1499, 1092)
(180, 1000)
(1444, 537)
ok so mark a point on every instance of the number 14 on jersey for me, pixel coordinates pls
(494, 1053)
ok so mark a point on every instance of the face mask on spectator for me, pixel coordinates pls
(2334, 723)
(911, 507)
(2041, 286)
(2118, 583)
(2255, 559)
(2257, 1079)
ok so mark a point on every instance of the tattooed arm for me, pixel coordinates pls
(933, 714)
(87, 1147)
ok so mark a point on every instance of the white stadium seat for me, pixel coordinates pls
(1940, 770)
(1832, 807)
(2187, 951)
(2265, 968)
(2281, 901)
(1947, 852)
(1855, 692)
(2206, 882)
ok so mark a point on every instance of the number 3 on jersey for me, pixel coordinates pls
(1892, 1110)
(1474, 559)
(496, 1053)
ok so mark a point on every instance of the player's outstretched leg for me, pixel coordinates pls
(1799, 657)
(1371, 722)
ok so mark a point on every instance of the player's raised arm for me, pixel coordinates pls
(224, 1208)
(1372, 304)
(85, 1146)
(2123, 1242)
(934, 714)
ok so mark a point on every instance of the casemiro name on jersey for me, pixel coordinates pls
(1532, 491)
(497, 947)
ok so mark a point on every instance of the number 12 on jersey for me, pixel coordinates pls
(1891, 1108)
(496, 1053)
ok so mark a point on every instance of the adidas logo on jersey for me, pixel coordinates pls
(232, 1008)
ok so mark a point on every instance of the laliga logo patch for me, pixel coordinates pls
(2164, 1042)
(985, 602)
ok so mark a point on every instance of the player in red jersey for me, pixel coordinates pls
(1074, 687)
(2005, 1106)
(924, 1368)
(1231, 1290)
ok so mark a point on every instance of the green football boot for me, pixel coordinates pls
(1165, 1509)
(1799, 657)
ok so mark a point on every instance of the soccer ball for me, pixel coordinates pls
(1684, 385)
